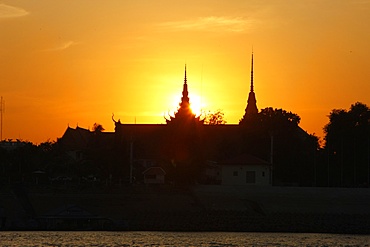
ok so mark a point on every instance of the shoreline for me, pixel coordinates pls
(227, 222)
(199, 208)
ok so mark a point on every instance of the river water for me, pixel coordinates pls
(159, 239)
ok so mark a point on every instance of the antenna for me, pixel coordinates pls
(2, 110)
(201, 90)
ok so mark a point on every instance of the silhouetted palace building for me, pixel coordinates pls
(189, 146)
(186, 149)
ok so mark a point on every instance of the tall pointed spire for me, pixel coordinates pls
(252, 89)
(185, 102)
(252, 102)
(184, 113)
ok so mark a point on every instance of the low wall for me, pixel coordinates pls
(287, 199)
(213, 208)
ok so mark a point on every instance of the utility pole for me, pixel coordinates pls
(368, 160)
(314, 168)
(2, 109)
(354, 162)
(341, 163)
(131, 158)
(328, 153)
(271, 157)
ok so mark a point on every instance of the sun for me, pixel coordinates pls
(196, 104)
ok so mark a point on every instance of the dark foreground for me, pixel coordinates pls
(234, 221)
(199, 208)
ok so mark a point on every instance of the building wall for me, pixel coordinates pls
(246, 175)
(154, 179)
(213, 173)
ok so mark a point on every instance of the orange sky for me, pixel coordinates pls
(77, 62)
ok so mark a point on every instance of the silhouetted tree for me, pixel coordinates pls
(98, 127)
(294, 150)
(278, 119)
(215, 118)
(347, 141)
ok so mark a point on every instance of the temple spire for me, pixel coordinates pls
(184, 113)
(185, 79)
(252, 102)
(252, 89)
(185, 94)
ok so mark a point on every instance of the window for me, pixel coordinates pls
(250, 177)
(235, 173)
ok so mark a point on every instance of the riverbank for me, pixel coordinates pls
(236, 221)
(204, 208)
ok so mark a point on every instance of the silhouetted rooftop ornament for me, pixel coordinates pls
(252, 89)
(184, 113)
(252, 102)
(185, 101)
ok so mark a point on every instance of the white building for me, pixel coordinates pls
(154, 175)
(243, 170)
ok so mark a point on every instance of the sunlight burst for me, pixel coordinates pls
(196, 105)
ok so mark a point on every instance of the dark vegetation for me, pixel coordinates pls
(215, 118)
(87, 173)
(347, 147)
(298, 158)
(274, 135)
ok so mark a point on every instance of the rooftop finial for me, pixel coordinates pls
(252, 102)
(252, 89)
(185, 79)
(185, 92)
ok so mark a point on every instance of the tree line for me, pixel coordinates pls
(297, 157)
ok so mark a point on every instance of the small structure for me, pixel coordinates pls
(72, 217)
(154, 175)
(242, 170)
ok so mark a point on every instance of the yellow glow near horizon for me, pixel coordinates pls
(197, 104)
(61, 66)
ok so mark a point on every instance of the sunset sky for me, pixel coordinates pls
(67, 63)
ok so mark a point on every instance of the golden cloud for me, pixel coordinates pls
(7, 11)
